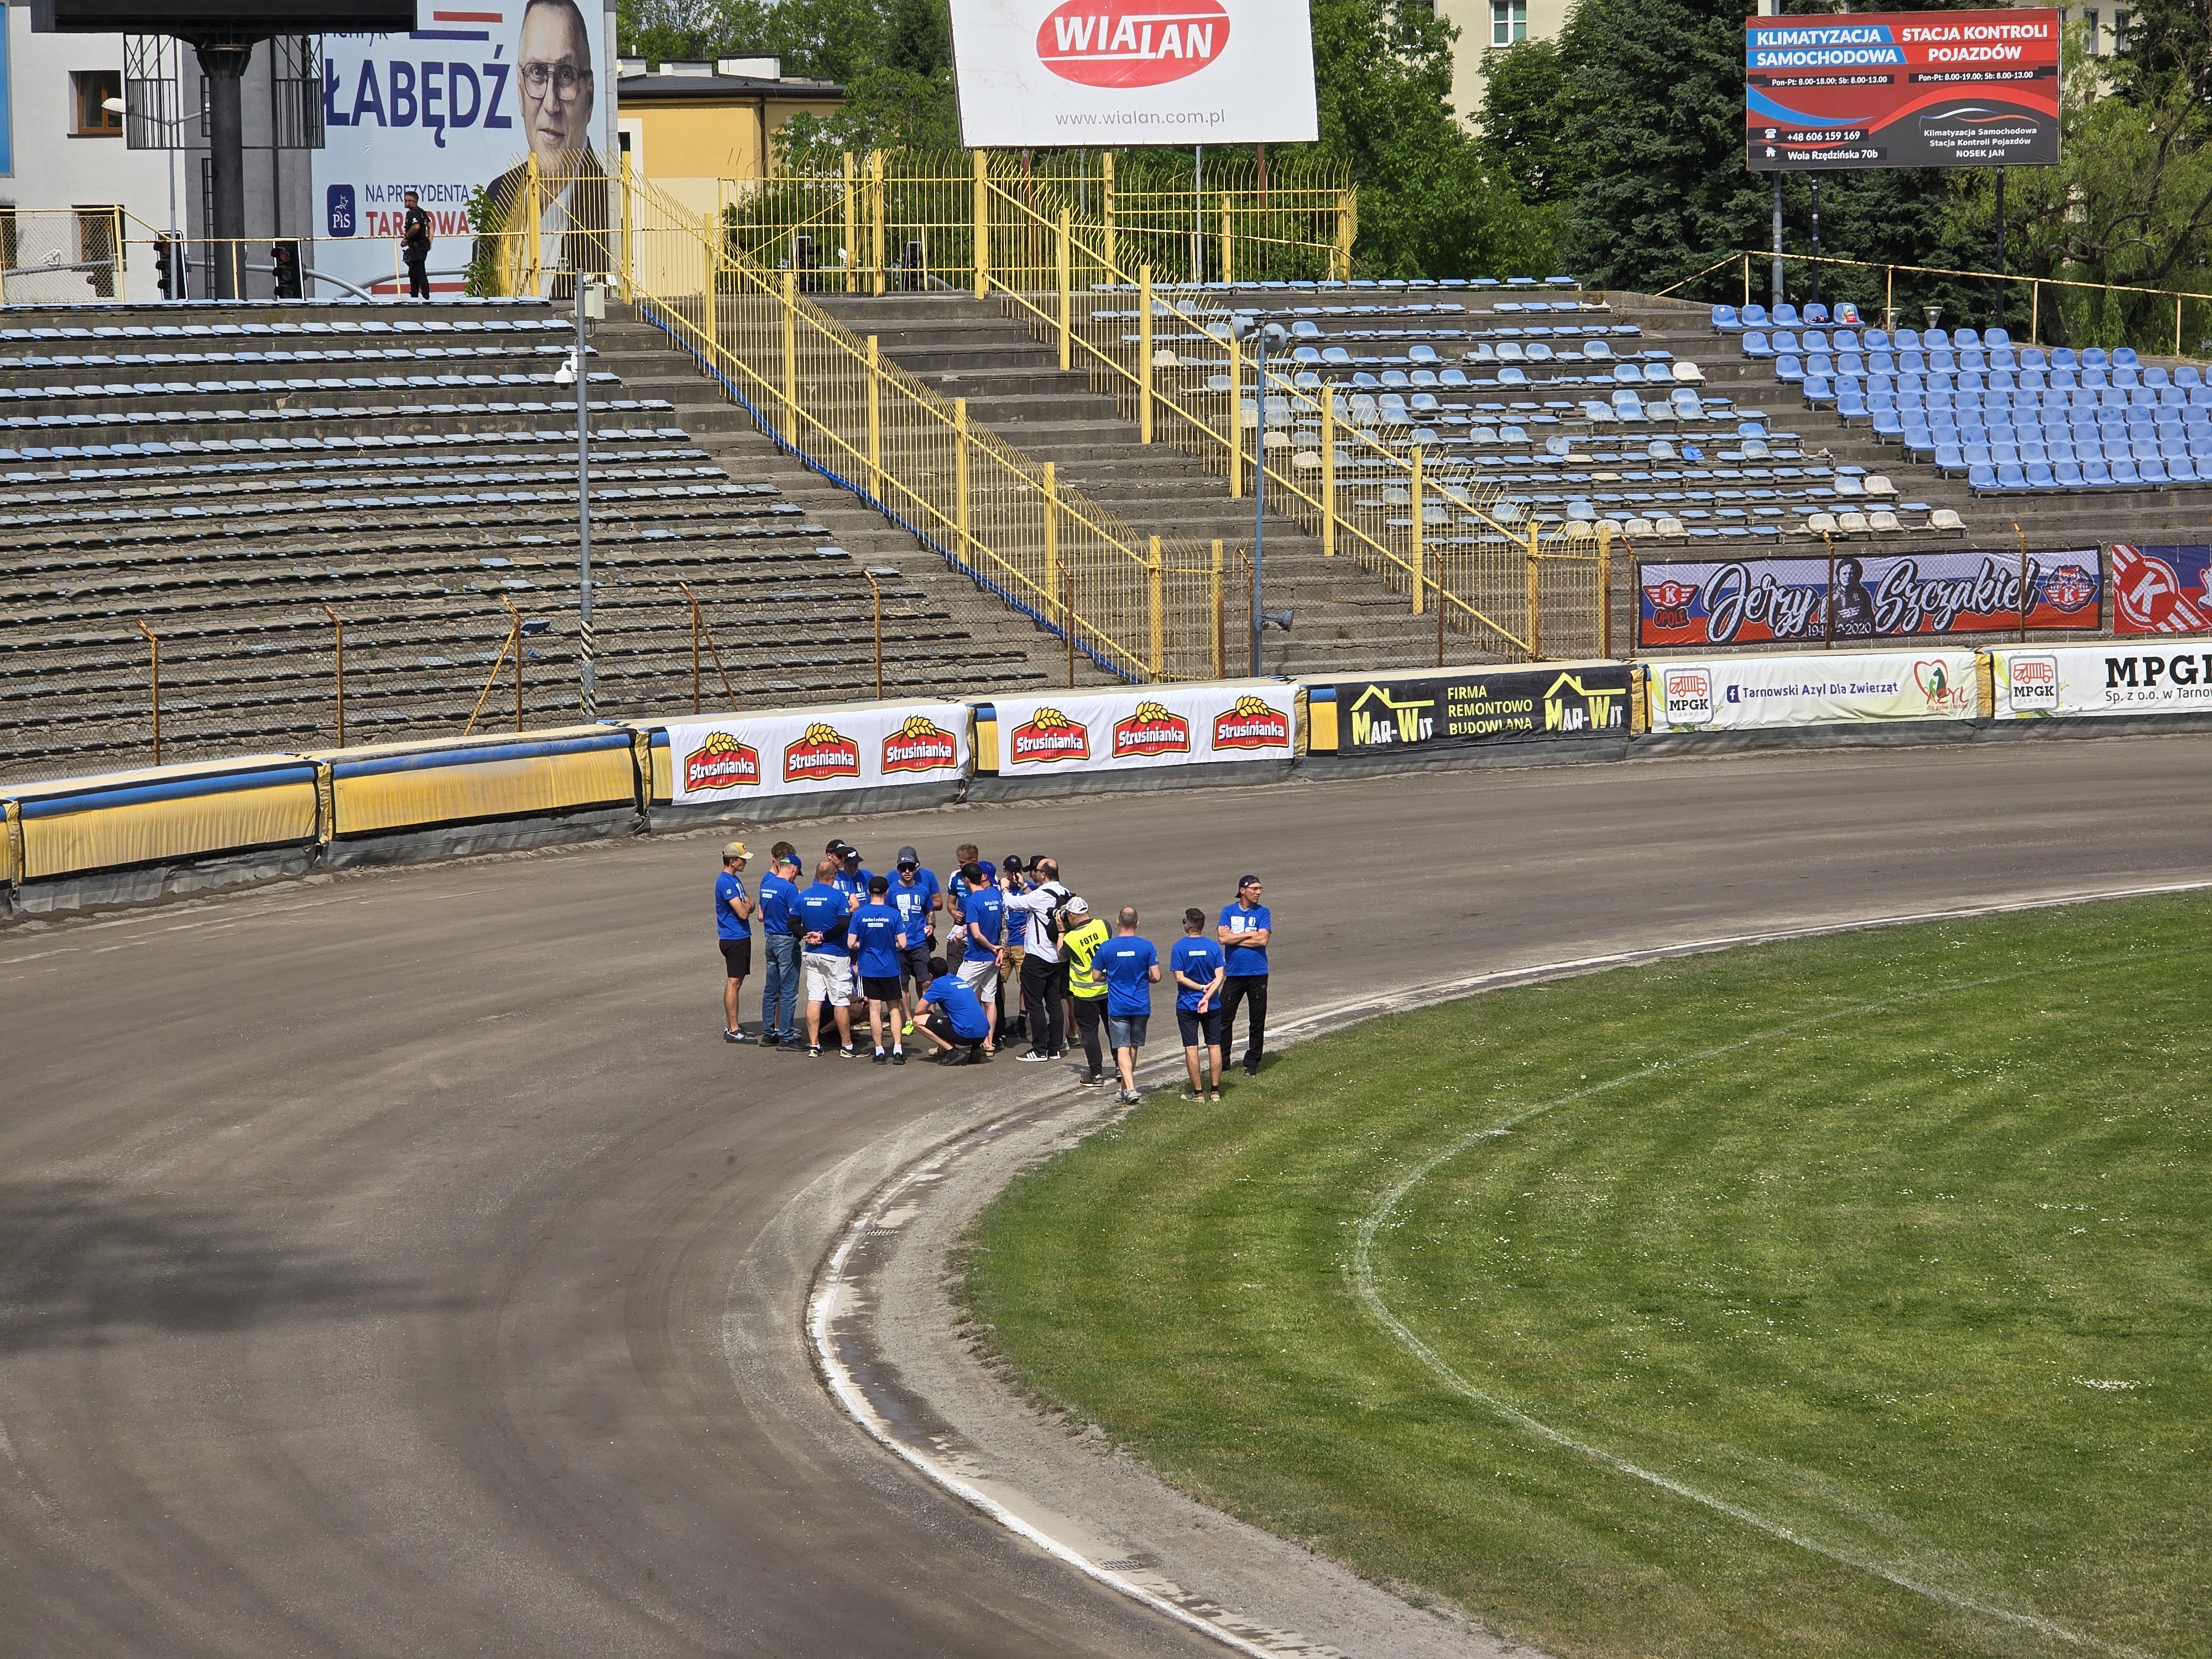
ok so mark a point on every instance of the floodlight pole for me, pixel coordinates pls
(1815, 298)
(224, 63)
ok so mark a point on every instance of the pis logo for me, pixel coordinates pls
(1116, 43)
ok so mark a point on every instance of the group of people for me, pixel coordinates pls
(997, 953)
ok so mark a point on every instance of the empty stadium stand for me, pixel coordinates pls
(222, 473)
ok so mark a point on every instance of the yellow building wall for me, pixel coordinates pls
(711, 140)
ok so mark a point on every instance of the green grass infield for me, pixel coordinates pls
(1850, 1297)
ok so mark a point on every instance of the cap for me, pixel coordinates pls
(1243, 882)
(1012, 862)
(990, 870)
(908, 855)
(879, 884)
(736, 850)
(849, 852)
(790, 859)
(1077, 907)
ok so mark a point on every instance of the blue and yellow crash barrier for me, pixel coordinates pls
(421, 785)
(120, 820)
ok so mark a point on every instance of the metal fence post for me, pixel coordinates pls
(1605, 589)
(983, 224)
(338, 622)
(875, 419)
(852, 248)
(875, 216)
(155, 642)
(1535, 648)
(710, 325)
(1145, 354)
(1328, 469)
(1158, 617)
(1228, 271)
(1220, 612)
(789, 297)
(1237, 420)
(1067, 299)
(1052, 534)
(628, 238)
(1420, 540)
(877, 594)
(960, 479)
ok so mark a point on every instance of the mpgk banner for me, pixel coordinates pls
(1732, 694)
(1056, 73)
(1144, 725)
(2037, 681)
(1398, 712)
(2161, 590)
(734, 757)
(1760, 601)
(1902, 89)
(453, 106)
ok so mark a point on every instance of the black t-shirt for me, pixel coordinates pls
(415, 232)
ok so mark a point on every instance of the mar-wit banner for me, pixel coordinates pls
(1398, 712)
(1734, 694)
(2122, 678)
(1788, 601)
(1056, 73)
(726, 758)
(1145, 726)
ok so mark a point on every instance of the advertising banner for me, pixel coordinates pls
(2161, 590)
(733, 757)
(1734, 694)
(1144, 725)
(452, 107)
(1876, 596)
(1902, 89)
(1452, 710)
(2035, 682)
(1056, 73)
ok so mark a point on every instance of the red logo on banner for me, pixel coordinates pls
(1048, 736)
(1933, 679)
(721, 763)
(1252, 724)
(1151, 731)
(920, 746)
(1116, 43)
(824, 752)
(2148, 595)
(1670, 604)
(2069, 588)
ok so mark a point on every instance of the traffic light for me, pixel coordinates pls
(169, 266)
(286, 258)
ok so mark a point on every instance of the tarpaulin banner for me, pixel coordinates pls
(2036, 682)
(726, 758)
(1144, 725)
(2161, 590)
(1875, 596)
(1902, 89)
(1729, 694)
(1394, 712)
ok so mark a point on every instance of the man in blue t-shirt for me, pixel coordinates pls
(1242, 936)
(820, 914)
(733, 927)
(983, 937)
(1196, 964)
(1128, 967)
(780, 981)
(851, 879)
(914, 895)
(878, 938)
(956, 890)
(951, 1016)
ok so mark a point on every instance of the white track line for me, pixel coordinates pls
(831, 1285)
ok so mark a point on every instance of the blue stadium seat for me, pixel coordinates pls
(1981, 480)
(1816, 313)
(1754, 316)
(1850, 406)
(2182, 470)
(1787, 368)
(2125, 357)
(1786, 316)
(2039, 476)
(2064, 357)
(1755, 345)
(1886, 423)
(1963, 338)
(2152, 472)
(2096, 357)
(1949, 460)
(1725, 320)
(2067, 475)
(2123, 472)
(1817, 390)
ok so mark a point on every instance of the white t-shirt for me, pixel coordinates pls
(1035, 906)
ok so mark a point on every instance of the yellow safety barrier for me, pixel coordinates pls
(120, 820)
(421, 785)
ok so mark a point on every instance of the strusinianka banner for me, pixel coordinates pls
(1145, 726)
(741, 757)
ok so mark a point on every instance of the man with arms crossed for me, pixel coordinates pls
(733, 926)
(780, 983)
(1197, 966)
(1242, 936)
(914, 895)
(822, 917)
(1128, 967)
(878, 940)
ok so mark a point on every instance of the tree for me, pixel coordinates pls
(2167, 40)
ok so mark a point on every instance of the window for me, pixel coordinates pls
(1509, 22)
(2089, 33)
(2119, 31)
(89, 91)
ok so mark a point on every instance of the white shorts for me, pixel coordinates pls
(829, 979)
(980, 974)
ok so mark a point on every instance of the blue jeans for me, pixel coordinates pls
(779, 991)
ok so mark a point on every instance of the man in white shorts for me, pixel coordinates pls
(984, 936)
(820, 914)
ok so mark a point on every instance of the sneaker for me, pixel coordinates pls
(1253, 1069)
(907, 1029)
(898, 1056)
(848, 1053)
(976, 1057)
(882, 1059)
(790, 1045)
(1056, 1053)
(1187, 1095)
(735, 1037)
(1215, 1096)
(1089, 1082)
(1029, 1059)
(814, 1051)
(1129, 1097)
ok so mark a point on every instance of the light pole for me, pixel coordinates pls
(591, 306)
(1249, 326)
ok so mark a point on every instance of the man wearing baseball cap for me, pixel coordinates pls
(780, 981)
(1084, 934)
(913, 894)
(733, 926)
(1242, 936)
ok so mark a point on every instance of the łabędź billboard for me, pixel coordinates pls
(1117, 72)
(1394, 715)
(2161, 590)
(1902, 89)
(452, 107)
(1877, 596)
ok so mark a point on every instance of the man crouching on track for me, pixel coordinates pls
(950, 1015)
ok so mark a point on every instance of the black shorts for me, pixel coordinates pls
(914, 964)
(738, 955)
(880, 990)
(1199, 1031)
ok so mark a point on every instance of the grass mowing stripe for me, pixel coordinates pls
(1363, 1280)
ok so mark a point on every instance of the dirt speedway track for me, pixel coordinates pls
(402, 1263)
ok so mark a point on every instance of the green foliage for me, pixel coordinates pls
(485, 219)
(2169, 41)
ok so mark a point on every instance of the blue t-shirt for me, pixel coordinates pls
(728, 924)
(874, 931)
(1127, 963)
(852, 886)
(1200, 958)
(776, 894)
(964, 1009)
(1246, 961)
(986, 915)
(821, 909)
(913, 903)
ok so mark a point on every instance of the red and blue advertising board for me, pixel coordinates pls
(1902, 89)
(2162, 590)
(1876, 596)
